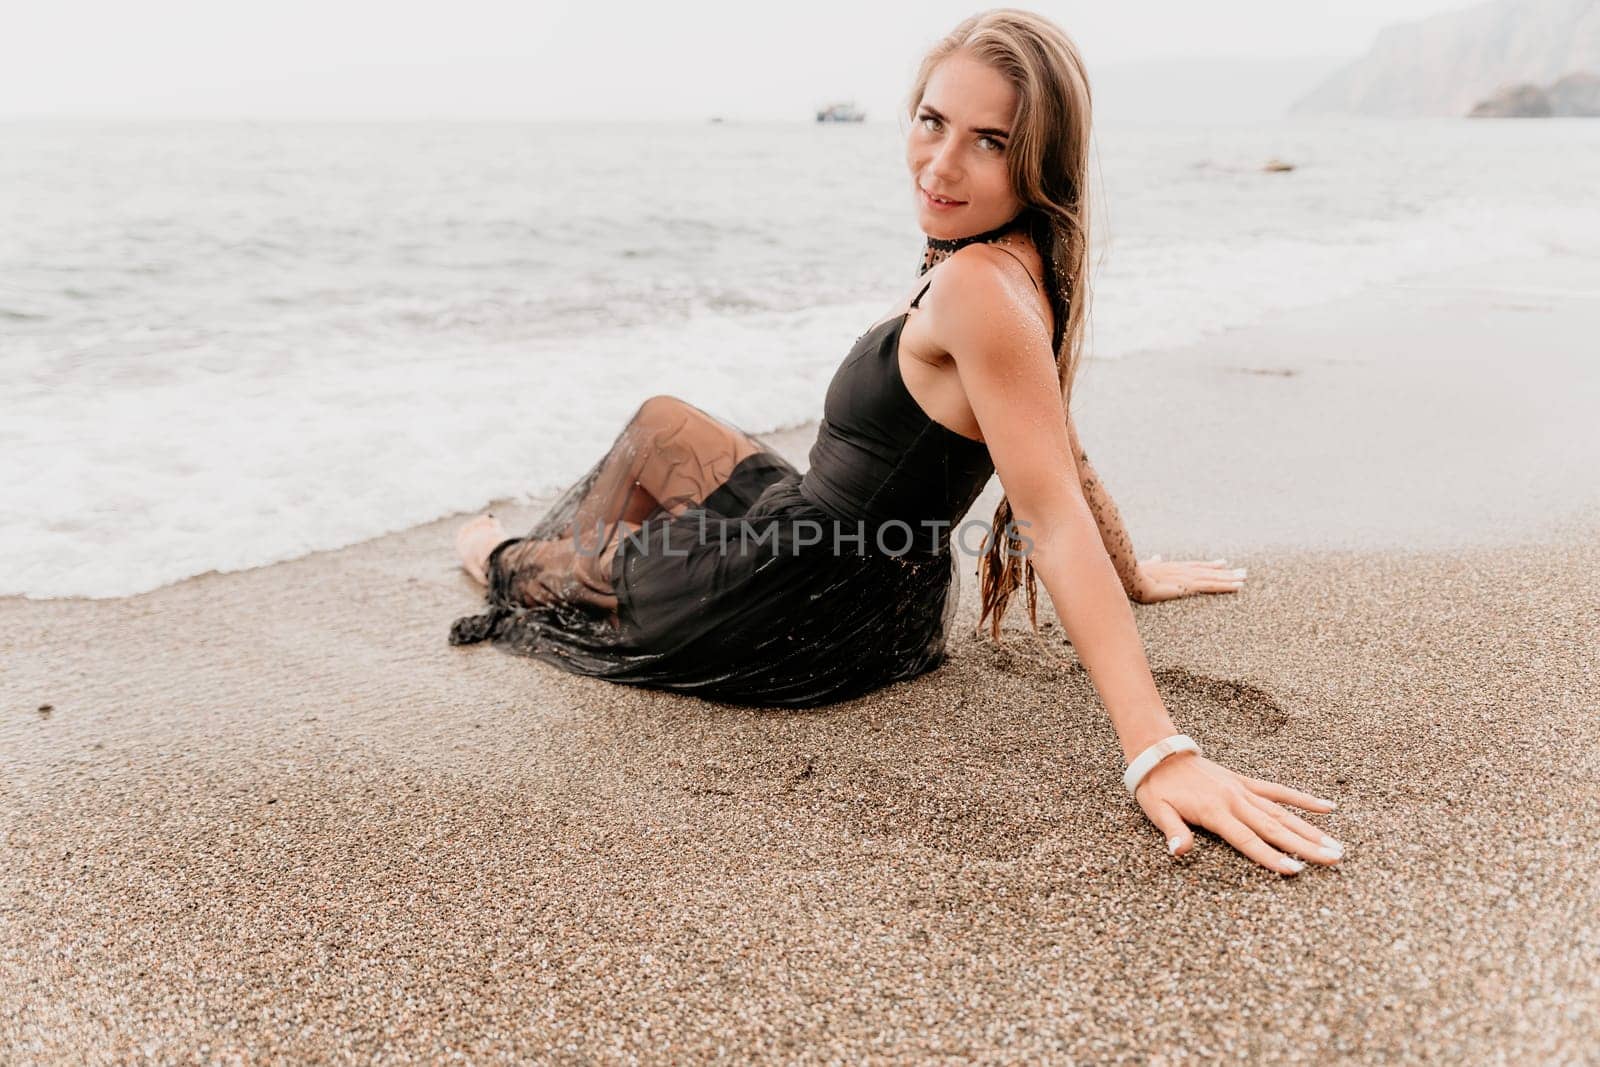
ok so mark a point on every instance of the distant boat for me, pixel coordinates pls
(841, 111)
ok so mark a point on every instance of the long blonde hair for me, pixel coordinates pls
(1048, 161)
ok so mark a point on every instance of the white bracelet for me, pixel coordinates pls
(1145, 761)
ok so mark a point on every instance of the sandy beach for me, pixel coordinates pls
(273, 815)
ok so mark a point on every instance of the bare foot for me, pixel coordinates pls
(474, 542)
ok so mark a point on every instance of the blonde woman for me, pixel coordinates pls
(693, 557)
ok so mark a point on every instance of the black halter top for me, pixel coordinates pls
(878, 456)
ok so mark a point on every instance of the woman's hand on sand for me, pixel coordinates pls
(1161, 579)
(1246, 812)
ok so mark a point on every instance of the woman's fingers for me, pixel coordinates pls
(1242, 837)
(1212, 570)
(1172, 827)
(1281, 834)
(1208, 583)
(1216, 566)
(1310, 832)
(1216, 585)
(1254, 825)
(1284, 795)
(1190, 577)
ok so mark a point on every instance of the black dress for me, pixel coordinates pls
(781, 589)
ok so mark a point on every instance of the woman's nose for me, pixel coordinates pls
(944, 161)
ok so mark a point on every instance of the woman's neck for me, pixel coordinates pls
(936, 249)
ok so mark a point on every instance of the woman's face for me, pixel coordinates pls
(956, 149)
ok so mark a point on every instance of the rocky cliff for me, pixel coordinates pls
(1576, 96)
(1446, 64)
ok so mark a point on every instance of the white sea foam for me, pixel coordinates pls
(228, 345)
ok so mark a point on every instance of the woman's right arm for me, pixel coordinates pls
(1113, 534)
(1153, 579)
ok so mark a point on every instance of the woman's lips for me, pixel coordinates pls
(937, 205)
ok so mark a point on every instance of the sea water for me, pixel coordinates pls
(228, 344)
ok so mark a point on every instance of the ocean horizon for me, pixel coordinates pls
(230, 344)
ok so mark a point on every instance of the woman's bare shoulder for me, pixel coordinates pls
(984, 299)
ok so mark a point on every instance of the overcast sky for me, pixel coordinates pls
(583, 58)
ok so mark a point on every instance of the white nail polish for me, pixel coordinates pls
(1295, 865)
(1331, 849)
(1172, 845)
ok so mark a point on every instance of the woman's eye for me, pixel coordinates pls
(996, 145)
(927, 119)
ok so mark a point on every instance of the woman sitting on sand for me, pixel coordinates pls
(693, 557)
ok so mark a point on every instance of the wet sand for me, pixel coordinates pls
(272, 814)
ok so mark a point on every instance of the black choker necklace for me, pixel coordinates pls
(950, 244)
(946, 245)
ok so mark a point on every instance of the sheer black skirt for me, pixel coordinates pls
(739, 599)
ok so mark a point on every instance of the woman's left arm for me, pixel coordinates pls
(1003, 359)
